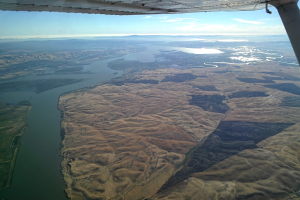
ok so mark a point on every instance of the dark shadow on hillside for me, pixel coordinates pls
(179, 78)
(212, 103)
(254, 80)
(291, 101)
(280, 76)
(230, 138)
(206, 87)
(286, 87)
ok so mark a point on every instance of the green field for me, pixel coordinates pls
(12, 124)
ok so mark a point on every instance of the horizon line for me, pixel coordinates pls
(24, 37)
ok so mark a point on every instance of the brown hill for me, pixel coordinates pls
(127, 140)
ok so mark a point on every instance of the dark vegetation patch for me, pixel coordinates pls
(4, 174)
(254, 80)
(230, 138)
(12, 123)
(212, 103)
(207, 87)
(31, 65)
(291, 101)
(281, 76)
(248, 94)
(286, 87)
(273, 78)
(37, 86)
(179, 78)
(290, 78)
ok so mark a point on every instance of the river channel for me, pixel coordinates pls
(37, 174)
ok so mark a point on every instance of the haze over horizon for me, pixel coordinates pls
(22, 25)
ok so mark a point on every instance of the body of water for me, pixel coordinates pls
(37, 174)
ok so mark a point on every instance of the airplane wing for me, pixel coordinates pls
(130, 7)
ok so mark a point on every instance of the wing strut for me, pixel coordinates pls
(290, 16)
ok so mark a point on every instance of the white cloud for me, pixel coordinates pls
(248, 21)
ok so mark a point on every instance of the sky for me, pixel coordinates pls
(52, 24)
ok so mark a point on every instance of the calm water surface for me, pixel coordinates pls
(37, 174)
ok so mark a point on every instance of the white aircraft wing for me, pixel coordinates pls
(133, 7)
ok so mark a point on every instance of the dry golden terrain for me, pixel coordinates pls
(140, 137)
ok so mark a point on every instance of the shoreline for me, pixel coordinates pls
(16, 143)
(61, 113)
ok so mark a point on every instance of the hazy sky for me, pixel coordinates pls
(52, 24)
